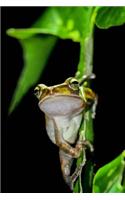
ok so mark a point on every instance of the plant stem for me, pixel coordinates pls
(86, 131)
(86, 55)
(85, 67)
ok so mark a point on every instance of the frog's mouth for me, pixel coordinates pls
(61, 105)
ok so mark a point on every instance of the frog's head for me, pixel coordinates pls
(63, 99)
(69, 87)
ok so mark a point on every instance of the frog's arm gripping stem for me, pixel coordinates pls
(86, 78)
(74, 152)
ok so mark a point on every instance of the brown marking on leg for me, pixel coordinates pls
(66, 163)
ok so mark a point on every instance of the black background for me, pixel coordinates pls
(29, 160)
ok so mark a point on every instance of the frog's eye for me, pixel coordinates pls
(74, 84)
(37, 91)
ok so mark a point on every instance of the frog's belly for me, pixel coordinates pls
(67, 126)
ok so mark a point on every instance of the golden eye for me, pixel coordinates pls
(39, 89)
(74, 84)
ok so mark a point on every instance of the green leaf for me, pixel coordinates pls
(65, 22)
(111, 178)
(110, 16)
(35, 53)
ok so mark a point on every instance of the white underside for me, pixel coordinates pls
(66, 112)
(68, 127)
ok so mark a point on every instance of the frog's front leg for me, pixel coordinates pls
(74, 152)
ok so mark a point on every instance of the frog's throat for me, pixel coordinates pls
(62, 105)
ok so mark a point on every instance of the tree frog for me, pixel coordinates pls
(64, 106)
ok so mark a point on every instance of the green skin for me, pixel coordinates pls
(64, 106)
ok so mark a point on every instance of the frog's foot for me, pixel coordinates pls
(83, 144)
(88, 145)
(70, 180)
(80, 146)
(78, 170)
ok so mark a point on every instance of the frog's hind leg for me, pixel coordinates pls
(66, 163)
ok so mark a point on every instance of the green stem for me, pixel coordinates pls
(85, 67)
(86, 131)
(86, 55)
